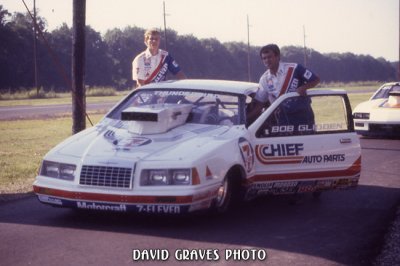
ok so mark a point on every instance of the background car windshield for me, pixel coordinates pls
(208, 107)
(384, 92)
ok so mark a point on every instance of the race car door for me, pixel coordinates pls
(300, 140)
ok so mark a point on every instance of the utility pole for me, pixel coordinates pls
(165, 26)
(248, 49)
(78, 66)
(305, 49)
(35, 47)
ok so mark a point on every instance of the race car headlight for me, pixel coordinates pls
(162, 177)
(58, 170)
(361, 115)
(158, 177)
(181, 177)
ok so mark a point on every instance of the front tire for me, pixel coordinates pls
(230, 193)
(223, 200)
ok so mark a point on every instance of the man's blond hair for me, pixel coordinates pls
(153, 31)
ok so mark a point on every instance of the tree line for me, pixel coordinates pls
(109, 57)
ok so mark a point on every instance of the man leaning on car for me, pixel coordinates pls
(153, 64)
(281, 78)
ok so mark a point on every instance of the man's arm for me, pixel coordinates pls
(180, 75)
(254, 110)
(302, 90)
(140, 82)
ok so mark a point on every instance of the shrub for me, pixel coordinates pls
(100, 91)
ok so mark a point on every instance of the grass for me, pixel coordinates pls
(356, 98)
(93, 95)
(23, 143)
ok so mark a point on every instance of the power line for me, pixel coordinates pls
(248, 49)
(56, 61)
(165, 26)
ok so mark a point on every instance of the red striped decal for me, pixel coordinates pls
(351, 171)
(155, 72)
(112, 198)
(285, 85)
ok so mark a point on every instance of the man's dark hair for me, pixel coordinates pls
(270, 48)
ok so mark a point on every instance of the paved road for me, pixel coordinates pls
(28, 112)
(341, 228)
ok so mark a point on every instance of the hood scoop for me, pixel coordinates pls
(155, 118)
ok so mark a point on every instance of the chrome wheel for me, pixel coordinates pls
(222, 193)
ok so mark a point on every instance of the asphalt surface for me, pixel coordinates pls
(339, 228)
(29, 112)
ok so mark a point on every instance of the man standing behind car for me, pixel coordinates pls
(153, 64)
(280, 78)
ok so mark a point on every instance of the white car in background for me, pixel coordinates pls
(183, 146)
(380, 115)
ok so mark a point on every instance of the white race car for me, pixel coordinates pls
(380, 115)
(182, 146)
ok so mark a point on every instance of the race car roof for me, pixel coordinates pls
(206, 84)
(239, 87)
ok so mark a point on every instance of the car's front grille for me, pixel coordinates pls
(105, 176)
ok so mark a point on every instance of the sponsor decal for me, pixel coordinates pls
(195, 94)
(287, 149)
(292, 187)
(307, 128)
(128, 143)
(324, 184)
(294, 85)
(262, 186)
(161, 74)
(100, 206)
(345, 182)
(307, 74)
(158, 208)
(327, 158)
(50, 200)
(287, 187)
(288, 153)
(247, 152)
(308, 186)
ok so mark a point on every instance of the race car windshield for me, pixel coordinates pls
(384, 92)
(208, 107)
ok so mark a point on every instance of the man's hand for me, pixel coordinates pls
(302, 91)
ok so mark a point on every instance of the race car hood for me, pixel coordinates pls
(367, 106)
(380, 110)
(117, 141)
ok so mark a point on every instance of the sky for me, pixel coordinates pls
(367, 27)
